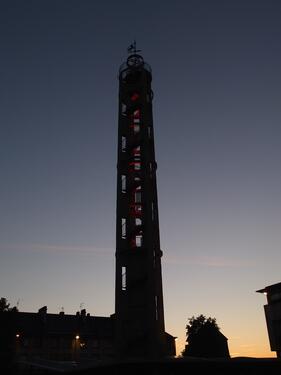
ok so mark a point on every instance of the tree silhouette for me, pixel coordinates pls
(204, 338)
(195, 324)
(5, 306)
(7, 338)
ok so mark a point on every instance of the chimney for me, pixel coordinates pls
(83, 312)
(43, 310)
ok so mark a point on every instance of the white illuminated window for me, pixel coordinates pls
(123, 183)
(124, 229)
(139, 240)
(138, 221)
(124, 278)
(124, 142)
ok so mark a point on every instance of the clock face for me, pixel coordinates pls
(134, 61)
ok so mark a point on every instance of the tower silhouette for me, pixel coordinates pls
(139, 312)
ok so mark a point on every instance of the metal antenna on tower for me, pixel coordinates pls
(133, 48)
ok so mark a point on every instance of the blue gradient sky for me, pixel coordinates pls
(217, 85)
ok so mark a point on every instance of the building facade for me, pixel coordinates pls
(272, 312)
(59, 337)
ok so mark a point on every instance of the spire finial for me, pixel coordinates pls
(132, 49)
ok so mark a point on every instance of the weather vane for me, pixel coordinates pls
(133, 48)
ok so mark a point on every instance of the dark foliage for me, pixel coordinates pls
(7, 337)
(204, 338)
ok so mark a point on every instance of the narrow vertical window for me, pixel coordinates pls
(124, 229)
(138, 222)
(136, 128)
(139, 240)
(123, 183)
(123, 143)
(136, 151)
(156, 307)
(123, 109)
(135, 96)
(149, 132)
(137, 196)
(136, 114)
(124, 278)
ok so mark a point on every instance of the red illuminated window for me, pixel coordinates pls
(136, 210)
(136, 114)
(136, 151)
(134, 96)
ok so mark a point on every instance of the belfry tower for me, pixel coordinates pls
(139, 309)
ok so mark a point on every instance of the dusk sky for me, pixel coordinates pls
(217, 124)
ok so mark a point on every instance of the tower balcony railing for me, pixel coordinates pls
(125, 69)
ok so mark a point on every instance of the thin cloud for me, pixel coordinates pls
(208, 261)
(57, 248)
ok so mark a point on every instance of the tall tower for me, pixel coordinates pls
(139, 309)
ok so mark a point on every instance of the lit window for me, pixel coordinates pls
(136, 209)
(124, 229)
(136, 114)
(138, 222)
(137, 196)
(123, 183)
(124, 278)
(123, 143)
(135, 165)
(136, 128)
(139, 240)
(134, 96)
(136, 151)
